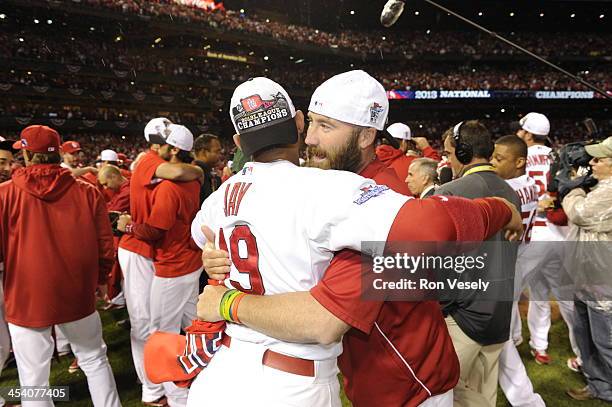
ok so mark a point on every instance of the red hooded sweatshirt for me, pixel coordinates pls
(56, 244)
(398, 161)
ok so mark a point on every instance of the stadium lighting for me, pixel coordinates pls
(266, 58)
(131, 82)
(90, 28)
(299, 61)
(601, 16)
(242, 10)
(118, 38)
(503, 110)
(251, 53)
(428, 32)
(2, 16)
(36, 21)
(416, 13)
(384, 38)
(511, 14)
(122, 137)
(352, 12)
(352, 65)
(316, 31)
(420, 126)
(541, 14)
(49, 21)
(21, 39)
(267, 20)
(157, 40)
(291, 58)
(480, 13)
(573, 15)
(29, 72)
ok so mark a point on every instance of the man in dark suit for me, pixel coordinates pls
(422, 177)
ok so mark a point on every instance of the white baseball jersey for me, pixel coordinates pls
(538, 167)
(527, 191)
(281, 225)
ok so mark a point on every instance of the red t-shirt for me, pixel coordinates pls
(394, 355)
(174, 207)
(141, 193)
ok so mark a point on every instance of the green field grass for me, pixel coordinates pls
(550, 381)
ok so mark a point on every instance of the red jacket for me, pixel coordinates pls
(56, 244)
(398, 161)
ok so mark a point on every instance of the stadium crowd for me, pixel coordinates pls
(414, 43)
(125, 65)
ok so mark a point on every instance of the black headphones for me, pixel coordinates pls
(463, 151)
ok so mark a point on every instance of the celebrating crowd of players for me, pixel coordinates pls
(290, 311)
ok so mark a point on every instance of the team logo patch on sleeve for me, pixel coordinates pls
(370, 192)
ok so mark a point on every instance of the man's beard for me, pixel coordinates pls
(5, 176)
(345, 158)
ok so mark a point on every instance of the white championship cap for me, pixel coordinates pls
(400, 131)
(109, 155)
(180, 137)
(535, 123)
(256, 106)
(352, 97)
(156, 126)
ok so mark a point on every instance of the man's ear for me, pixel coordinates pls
(367, 137)
(299, 121)
(237, 140)
(520, 162)
(175, 150)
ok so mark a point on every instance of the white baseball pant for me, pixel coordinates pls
(173, 306)
(138, 272)
(33, 348)
(546, 259)
(61, 342)
(441, 400)
(514, 381)
(237, 377)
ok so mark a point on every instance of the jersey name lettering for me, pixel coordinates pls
(234, 197)
(538, 159)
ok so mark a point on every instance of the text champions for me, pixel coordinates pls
(260, 118)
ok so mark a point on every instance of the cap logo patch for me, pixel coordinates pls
(24, 142)
(375, 111)
(74, 145)
(255, 112)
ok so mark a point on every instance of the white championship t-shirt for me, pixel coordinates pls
(281, 225)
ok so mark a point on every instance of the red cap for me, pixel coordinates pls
(71, 147)
(38, 139)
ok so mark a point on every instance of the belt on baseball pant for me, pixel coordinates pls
(278, 361)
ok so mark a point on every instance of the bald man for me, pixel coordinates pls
(111, 177)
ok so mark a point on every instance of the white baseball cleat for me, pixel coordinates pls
(391, 12)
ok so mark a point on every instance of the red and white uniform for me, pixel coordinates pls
(178, 264)
(136, 260)
(513, 378)
(54, 283)
(542, 263)
(383, 362)
(281, 224)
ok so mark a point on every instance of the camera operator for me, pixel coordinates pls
(590, 218)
